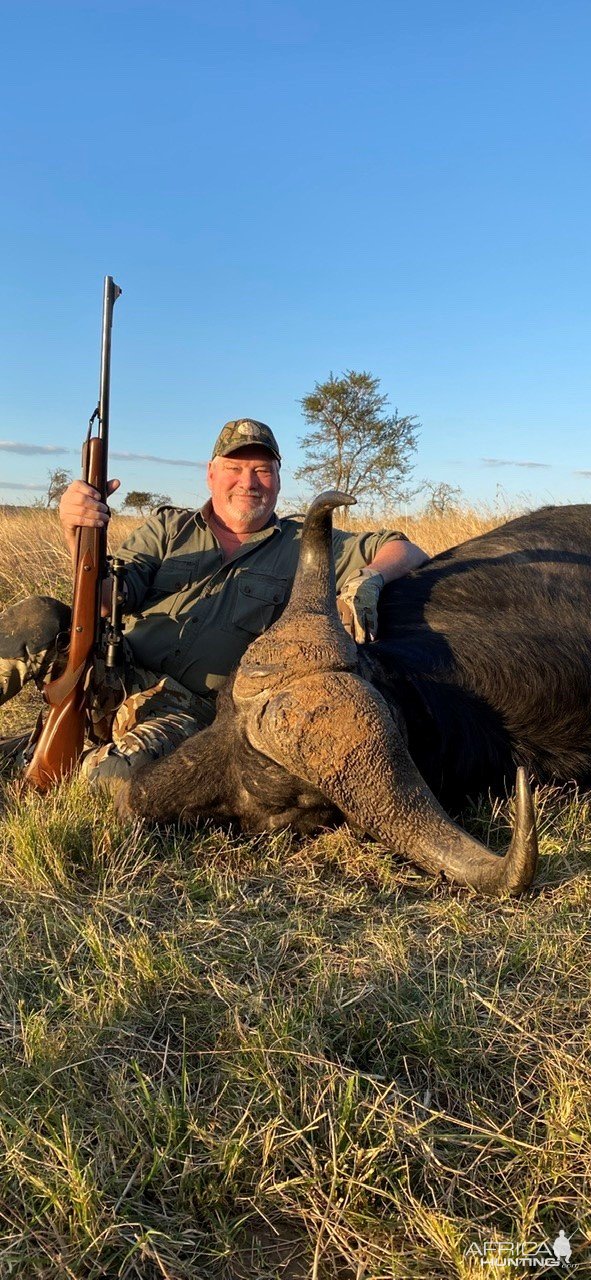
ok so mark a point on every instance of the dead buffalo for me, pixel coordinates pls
(481, 674)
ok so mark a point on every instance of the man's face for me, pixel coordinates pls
(244, 488)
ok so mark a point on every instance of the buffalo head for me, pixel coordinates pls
(300, 737)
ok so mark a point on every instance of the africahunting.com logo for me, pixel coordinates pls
(532, 1255)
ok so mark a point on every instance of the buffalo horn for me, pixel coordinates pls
(336, 732)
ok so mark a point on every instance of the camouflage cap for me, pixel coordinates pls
(242, 431)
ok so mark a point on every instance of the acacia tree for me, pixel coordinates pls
(355, 445)
(443, 497)
(56, 486)
(142, 501)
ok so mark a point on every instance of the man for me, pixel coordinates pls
(200, 586)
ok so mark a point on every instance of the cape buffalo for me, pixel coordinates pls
(481, 673)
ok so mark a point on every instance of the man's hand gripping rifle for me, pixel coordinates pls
(61, 740)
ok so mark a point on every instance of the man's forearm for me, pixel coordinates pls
(396, 558)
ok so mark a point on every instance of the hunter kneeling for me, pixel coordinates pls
(200, 586)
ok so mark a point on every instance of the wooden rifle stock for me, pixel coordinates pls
(61, 740)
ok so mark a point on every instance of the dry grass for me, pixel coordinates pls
(272, 1059)
(33, 558)
(436, 533)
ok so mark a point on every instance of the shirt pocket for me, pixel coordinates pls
(259, 601)
(171, 583)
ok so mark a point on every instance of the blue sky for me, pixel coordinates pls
(285, 189)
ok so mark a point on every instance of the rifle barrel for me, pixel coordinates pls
(111, 292)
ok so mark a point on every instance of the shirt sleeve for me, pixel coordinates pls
(353, 551)
(143, 553)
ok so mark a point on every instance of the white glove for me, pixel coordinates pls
(358, 604)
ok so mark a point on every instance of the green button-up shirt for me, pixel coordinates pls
(193, 613)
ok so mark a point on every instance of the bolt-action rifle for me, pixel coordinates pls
(61, 739)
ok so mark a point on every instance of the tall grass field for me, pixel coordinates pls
(275, 1059)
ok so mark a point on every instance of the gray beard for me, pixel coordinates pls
(252, 516)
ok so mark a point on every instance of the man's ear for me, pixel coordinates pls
(208, 474)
